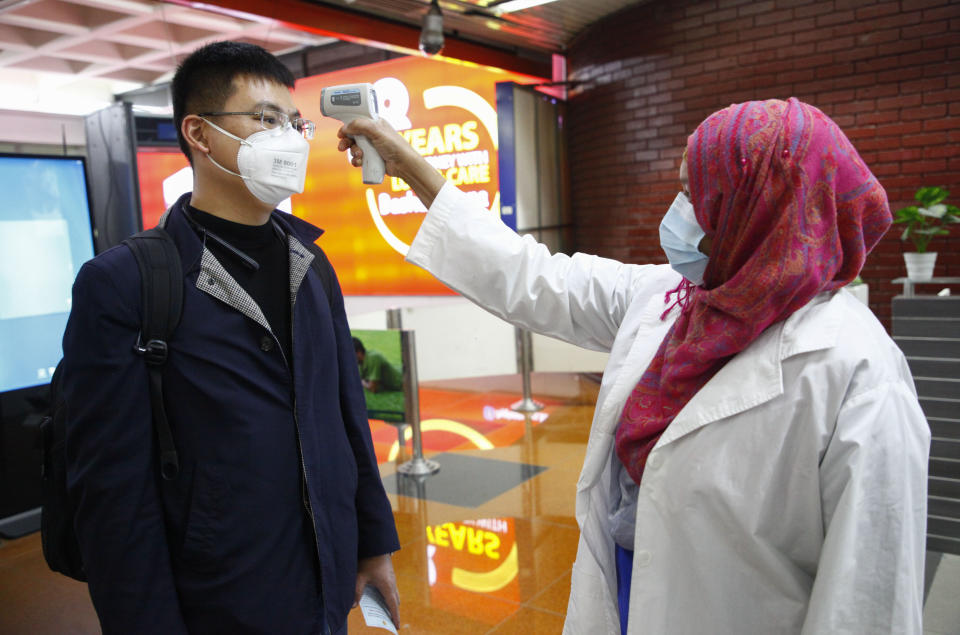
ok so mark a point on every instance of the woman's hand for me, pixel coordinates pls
(399, 158)
(397, 154)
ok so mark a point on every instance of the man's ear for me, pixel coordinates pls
(194, 132)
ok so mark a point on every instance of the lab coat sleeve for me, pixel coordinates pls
(580, 299)
(873, 474)
(112, 461)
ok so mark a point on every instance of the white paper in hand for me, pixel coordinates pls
(375, 611)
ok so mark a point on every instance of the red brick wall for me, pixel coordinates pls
(887, 72)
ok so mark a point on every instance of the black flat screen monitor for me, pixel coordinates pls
(45, 236)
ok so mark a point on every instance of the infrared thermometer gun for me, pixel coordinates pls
(347, 102)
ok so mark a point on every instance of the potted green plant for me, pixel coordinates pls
(930, 218)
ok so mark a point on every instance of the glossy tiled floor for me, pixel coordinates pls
(487, 544)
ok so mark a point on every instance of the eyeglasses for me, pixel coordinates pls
(271, 119)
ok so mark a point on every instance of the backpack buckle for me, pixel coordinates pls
(154, 352)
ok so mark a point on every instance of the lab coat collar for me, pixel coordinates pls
(755, 376)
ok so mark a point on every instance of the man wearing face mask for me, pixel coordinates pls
(277, 518)
(757, 459)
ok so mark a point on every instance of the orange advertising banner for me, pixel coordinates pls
(447, 111)
(156, 170)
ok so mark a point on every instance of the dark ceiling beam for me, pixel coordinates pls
(352, 26)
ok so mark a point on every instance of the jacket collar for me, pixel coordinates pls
(214, 279)
(755, 375)
(191, 247)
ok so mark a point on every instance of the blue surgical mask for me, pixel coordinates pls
(680, 237)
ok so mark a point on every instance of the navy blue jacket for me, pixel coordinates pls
(228, 546)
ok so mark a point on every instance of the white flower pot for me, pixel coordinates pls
(860, 292)
(920, 266)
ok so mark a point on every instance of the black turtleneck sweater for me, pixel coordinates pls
(269, 286)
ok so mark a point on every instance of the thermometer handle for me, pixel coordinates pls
(373, 167)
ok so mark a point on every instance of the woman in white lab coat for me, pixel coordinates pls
(757, 461)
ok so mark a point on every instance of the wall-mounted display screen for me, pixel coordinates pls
(45, 236)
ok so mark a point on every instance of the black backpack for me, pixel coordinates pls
(161, 293)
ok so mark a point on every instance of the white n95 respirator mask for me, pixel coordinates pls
(680, 237)
(272, 163)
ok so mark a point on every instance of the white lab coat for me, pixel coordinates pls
(788, 496)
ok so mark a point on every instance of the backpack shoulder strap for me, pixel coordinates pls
(161, 292)
(323, 268)
(161, 282)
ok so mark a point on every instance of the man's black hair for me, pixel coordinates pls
(358, 346)
(204, 81)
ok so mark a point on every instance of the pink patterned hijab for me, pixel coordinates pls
(793, 211)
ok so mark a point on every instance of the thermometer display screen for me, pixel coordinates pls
(350, 98)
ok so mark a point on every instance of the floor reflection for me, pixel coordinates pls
(472, 563)
(452, 420)
(489, 541)
(463, 480)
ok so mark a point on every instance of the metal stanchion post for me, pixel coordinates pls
(525, 363)
(417, 466)
(395, 321)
